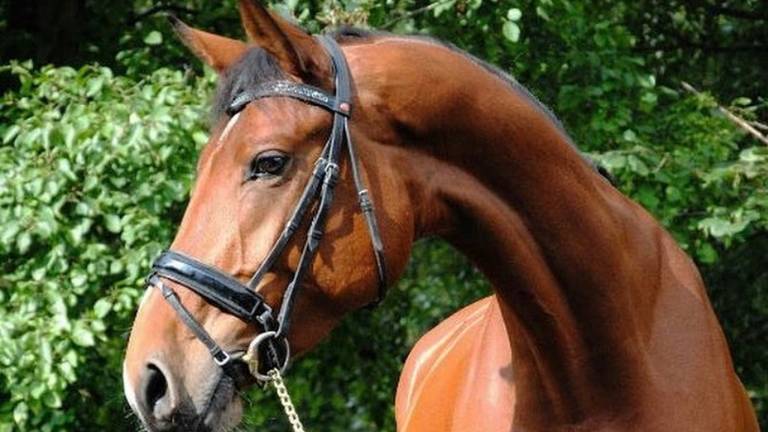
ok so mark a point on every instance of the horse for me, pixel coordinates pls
(606, 320)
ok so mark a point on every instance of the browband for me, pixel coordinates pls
(303, 92)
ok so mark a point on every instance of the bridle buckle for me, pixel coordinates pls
(222, 358)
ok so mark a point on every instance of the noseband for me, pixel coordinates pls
(241, 300)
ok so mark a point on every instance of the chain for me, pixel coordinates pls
(276, 379)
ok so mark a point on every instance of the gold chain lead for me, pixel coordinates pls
(276, 379)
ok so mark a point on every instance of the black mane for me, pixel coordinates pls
(255, 67)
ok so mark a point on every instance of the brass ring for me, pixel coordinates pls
(252, 355)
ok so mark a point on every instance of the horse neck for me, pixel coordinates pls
(567, 254)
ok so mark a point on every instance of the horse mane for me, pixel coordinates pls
(257, 66)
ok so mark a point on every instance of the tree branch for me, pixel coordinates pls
(759, 125)
(737, 13)
(714, 49)
(740, 122)
(413, 13)
(160, 8)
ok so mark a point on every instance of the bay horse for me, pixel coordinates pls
(605, 320)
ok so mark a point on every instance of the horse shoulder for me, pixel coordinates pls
(458, 377)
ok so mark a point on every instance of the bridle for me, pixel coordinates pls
(241, 300)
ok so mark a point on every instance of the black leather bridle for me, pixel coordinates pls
(242, 300)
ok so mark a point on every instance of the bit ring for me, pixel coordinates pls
(252, 355)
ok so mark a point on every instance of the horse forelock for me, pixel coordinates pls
(255, 67)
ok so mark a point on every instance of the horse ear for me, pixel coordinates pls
(297, 52)
(216, 51)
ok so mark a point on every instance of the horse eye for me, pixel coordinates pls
(268, 164)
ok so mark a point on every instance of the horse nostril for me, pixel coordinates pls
(155, 390)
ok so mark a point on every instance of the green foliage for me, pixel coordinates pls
(94, 169)
(95, 166)
(691, 168)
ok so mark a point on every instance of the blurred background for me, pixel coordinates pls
(102, 113)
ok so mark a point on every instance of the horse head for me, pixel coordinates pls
(278, 175)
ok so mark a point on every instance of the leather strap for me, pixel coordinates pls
(215, 286)
(344, 94)
(307, 198)
(221, 357)
(303, 92)
(366, 206)
(226, 292)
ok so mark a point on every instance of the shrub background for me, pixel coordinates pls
(97, 153)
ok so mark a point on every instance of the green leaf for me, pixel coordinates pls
(153, 38)
(11, 133)
(78, 231)
(94, 86)
(706, 253)
(20, 413)
(23, 242)
(98, 326)
(629, 135)
(647, 196)
(102, 307)
(8, 232)
(647, 81)
(637, 165)
(52, 400)
(542, 13)
(83, 336)
(200, 137)
(443, 6)
(40, 388)
(64, 166)
(113, 223)
(511, 31)
(116, 266)
(719, 228)
(514, 14)
(753, 155)
(742, 101)
(78, 279)
(68, 371)
(45, 351)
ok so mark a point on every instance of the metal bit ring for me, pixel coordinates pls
(252, 355)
